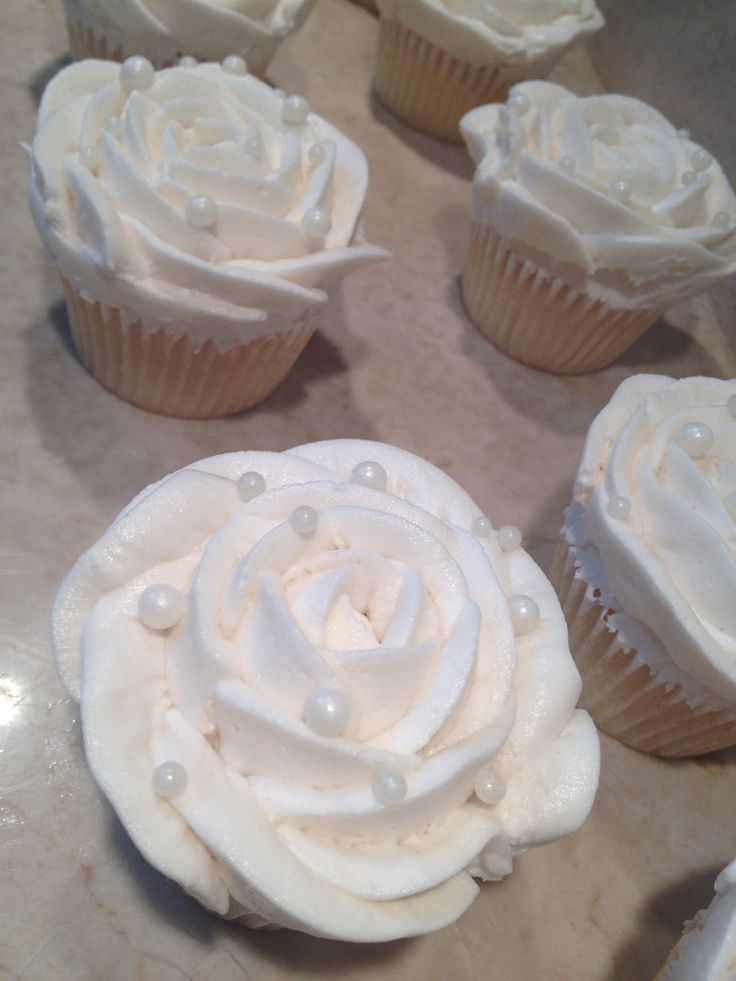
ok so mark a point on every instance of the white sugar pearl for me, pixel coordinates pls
(621, 190)
(684, 133)
(481, 527)
(369, 474)
(317, 223)
(316, 153)
(619, 507)
(730, 503)
(304, 519)
(689, 177)
(250, 485)
(235, 65)
(114, 126)
(489, 787)
(721, 219)
(201, 211)
(519, 103)
(89, 157)
(136, 73)
(327, 712)
(187, 61)
(509, 538)
(731, 405)
(169, 780)
(524, 614)
(160, 606)
(389, 788)
(701, 159)
(295, 110)
(695, 438)
(567, 165)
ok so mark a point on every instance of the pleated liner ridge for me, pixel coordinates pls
(427, 88)
(166, 373)
(538, 319)
(625, 698)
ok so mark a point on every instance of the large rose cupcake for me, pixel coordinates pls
(646, 567)
(438, 59)
(592, 216)
(199, 220)
(164, 30)
(320, 693)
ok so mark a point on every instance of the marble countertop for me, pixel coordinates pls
(396, 361)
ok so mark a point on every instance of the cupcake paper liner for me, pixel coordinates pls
(84, 43)
(625, 697)
(539, 319)
(427, 88)
(167, 373)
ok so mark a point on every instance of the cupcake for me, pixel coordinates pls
(199, 220)
(321, 693)
(437, 60)
(209, 30)
(592, 217)
(646, 568)
(707, 949)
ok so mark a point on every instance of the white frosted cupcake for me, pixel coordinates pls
(592, 217)
(707, 949)
(320, 693)
(199, 220)
(165, 30)
(646, 568)
(438, 59)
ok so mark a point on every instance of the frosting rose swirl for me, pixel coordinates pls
(117, 176)
(207, 29)
(339, 673)
(655, 499)
(513, 32)
(605, 187)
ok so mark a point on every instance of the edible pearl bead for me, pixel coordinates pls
(169, 780)
(389, 788)
(250, 485)
(187, 61)
(304, 519)
(327, 712)
(689, 177)
(524, 614)
(684, 133)
(701, 159)
(317, 223)
(509, 538)
(731, 405)
(481, 527)
(201, 211)
(114, 126)
(235, 65)
(567, 165)
(519, 103)
(730, 503)
(695, 438)
(136, 73)
(619, 507)
(295, 110)
(721, 219)
(316, 153)
(489, 787)
(160, 606)
(89, 157)
(621, 190)
(369, 474)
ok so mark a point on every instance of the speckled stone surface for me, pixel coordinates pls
(397, 361)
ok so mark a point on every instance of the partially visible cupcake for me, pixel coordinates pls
(321, 692)
(209, 30)
(199, 220)
(439, 59)
(707, 949)
(646, 568)
(592, 217)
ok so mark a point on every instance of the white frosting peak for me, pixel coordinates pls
(602, 192)
(389, 616)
